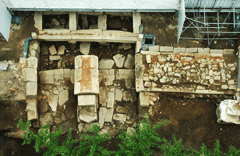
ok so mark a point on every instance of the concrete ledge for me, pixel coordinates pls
(216, 51)
(191, 50)
(203, 50)
(166, 48)
(179, 50)
(228, 51)
(150, 53)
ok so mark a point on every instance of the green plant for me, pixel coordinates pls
(142, 140)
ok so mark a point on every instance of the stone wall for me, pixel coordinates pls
(166, 49)
(186, 72)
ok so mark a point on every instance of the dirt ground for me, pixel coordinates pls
(193, 120)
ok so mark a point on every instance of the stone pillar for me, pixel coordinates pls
(73, 21)
(38, 20)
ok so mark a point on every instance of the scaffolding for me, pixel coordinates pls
(201, 21)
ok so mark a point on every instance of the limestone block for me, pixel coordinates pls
(34, 35)
(154, 48)
(72, 75)
(216, 51)
(165, 49)
(118, 94)
(32, 115)
(58, 74)
(138, 59)
(120, 117)
(138, 46)
(121, 109)
(148, 59)
(85, 47)
(88, 114)
(139, 85)
(34, 53)
(126, 46)
(86, 58)
(88, 83)
(228, 51)
(87, 100)
(53, 101)
(73, 21)
(191, 50)
(38, 20)
(54, 58)
(109, 115)
(129, 63)
(36, 46)
(61, 50)
(23, 60)
(222, 112)
(136, 22)
(108, 76)
(119, 60)
(106, 64)
(125, 73)
(143, 99)
(52, 50)
(63, 97)
(102, 115)
(110, 102)
(31, 89)
(32, 62)
(67, 73)
(179, 50)
(102, 22)
(31, 104)
(203, 50)
(47, 77)
(130, 130)
(29, 74)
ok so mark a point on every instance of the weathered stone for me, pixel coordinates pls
(210, 72)
(58, 117)
(154, 48)
(118, 94)
(70, 113)
(109, 115)
(46, 119)
(29, 74)
(47, 77)
(110, 102)
(61, 50)
(125, 73)
(44, 50)
(127, 46)
(129, 83)
(148, 59)
(53, 101)
(54, 58)
(31, 105)
(203, 50)
(143, 99)
(32, 62)
(203, 76)
(85, 47)
(211, 81)
(52, 50)
(232, 87)
(228, 51)
(106, 64)
(67, 125)
(23, 61)
(179, 50)
(80, 127)
(102, 115)
(32, 115)
(42, 106)
(221, 112)
(166, 49)
(231, 82)
(224, 87)
(187, 59)
(186, 68)
(121, 109)
(31, 89)
(93, 26)
(55, 22)
(119, 60)
(102, 22)
(58, 74)
(217, 78)
(126, 95)
(130, 129)
(87, 100)
(88, 114)
(107, 77)
(216, 51)
(67, 73)
(191, 50)
(63, 97)
(120, 117)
